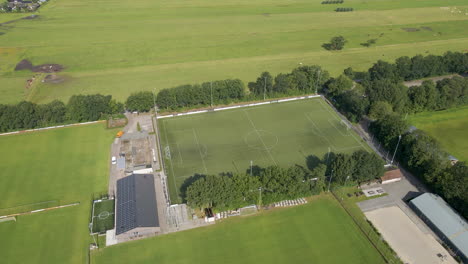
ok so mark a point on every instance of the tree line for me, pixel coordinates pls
(197, 95)
(381, 87)
(273, 183)
(302, 80)
(80, 108)
(422, 155)
(380, 95)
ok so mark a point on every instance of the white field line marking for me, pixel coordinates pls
(320, 134)
(339, 131)
(199, 150)
(260, 137)
(170, 160)
(339, 119)
(180, 155)
(52, 127)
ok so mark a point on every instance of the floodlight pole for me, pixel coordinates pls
(328, 156)
(329, 182)
(251, 168)
(399, 138)
(346, 180)
(264, 90)
(316, 83)
(260, 196)
(211, 86)
(154, 99)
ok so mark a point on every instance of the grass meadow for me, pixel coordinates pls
(118, 47)
(281, 134)
(68, 165)
(449, 127)
(317, 232)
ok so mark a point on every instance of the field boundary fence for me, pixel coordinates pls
(51, 127)
(42, 209)
(367, 229)
(241, 106)
(162, 166)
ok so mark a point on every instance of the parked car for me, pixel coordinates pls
(114, 160)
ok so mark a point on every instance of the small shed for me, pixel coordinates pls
(391, 176)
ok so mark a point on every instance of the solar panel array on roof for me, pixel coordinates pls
(449, 224)
(136, 203)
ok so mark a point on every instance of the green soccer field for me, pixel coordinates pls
(226, 141)
(68, 165)
(318, 232)
(119, 47)
(449, 127)
(103, 216)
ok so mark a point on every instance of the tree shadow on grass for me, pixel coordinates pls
(189, 181)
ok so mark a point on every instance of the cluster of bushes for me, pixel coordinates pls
(304, 79)
(327, 2)
(230, 191)
(80, 108)
(189, 96)
(336, 43)
(423, 156)
(344, 9)
(369, 43)
(381, 88)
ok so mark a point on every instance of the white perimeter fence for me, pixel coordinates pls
(52, 127)
(240, 106)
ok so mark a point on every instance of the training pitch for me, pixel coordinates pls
(103, 216)
(317, 232)
(41, 169)
(281, 134)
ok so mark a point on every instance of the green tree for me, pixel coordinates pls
(380, 109)
(283, 83)
(387, 129)
(387, 90)
(367, 166)
(384, 70)
(336, 43)
(140, 101)
(342, 168)
(339, 85)
(263, 85)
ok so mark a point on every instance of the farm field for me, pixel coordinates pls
(317, 232)
(227, 141)
(65, 165)
(124, 46)
(449, 127)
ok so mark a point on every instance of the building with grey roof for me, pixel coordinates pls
(136, 208)
(446, 223)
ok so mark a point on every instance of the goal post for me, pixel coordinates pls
(346, 124)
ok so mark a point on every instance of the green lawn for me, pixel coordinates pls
(449, 127)
(69, 165)
(318, 232)
(118, 47)
(226, 141)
